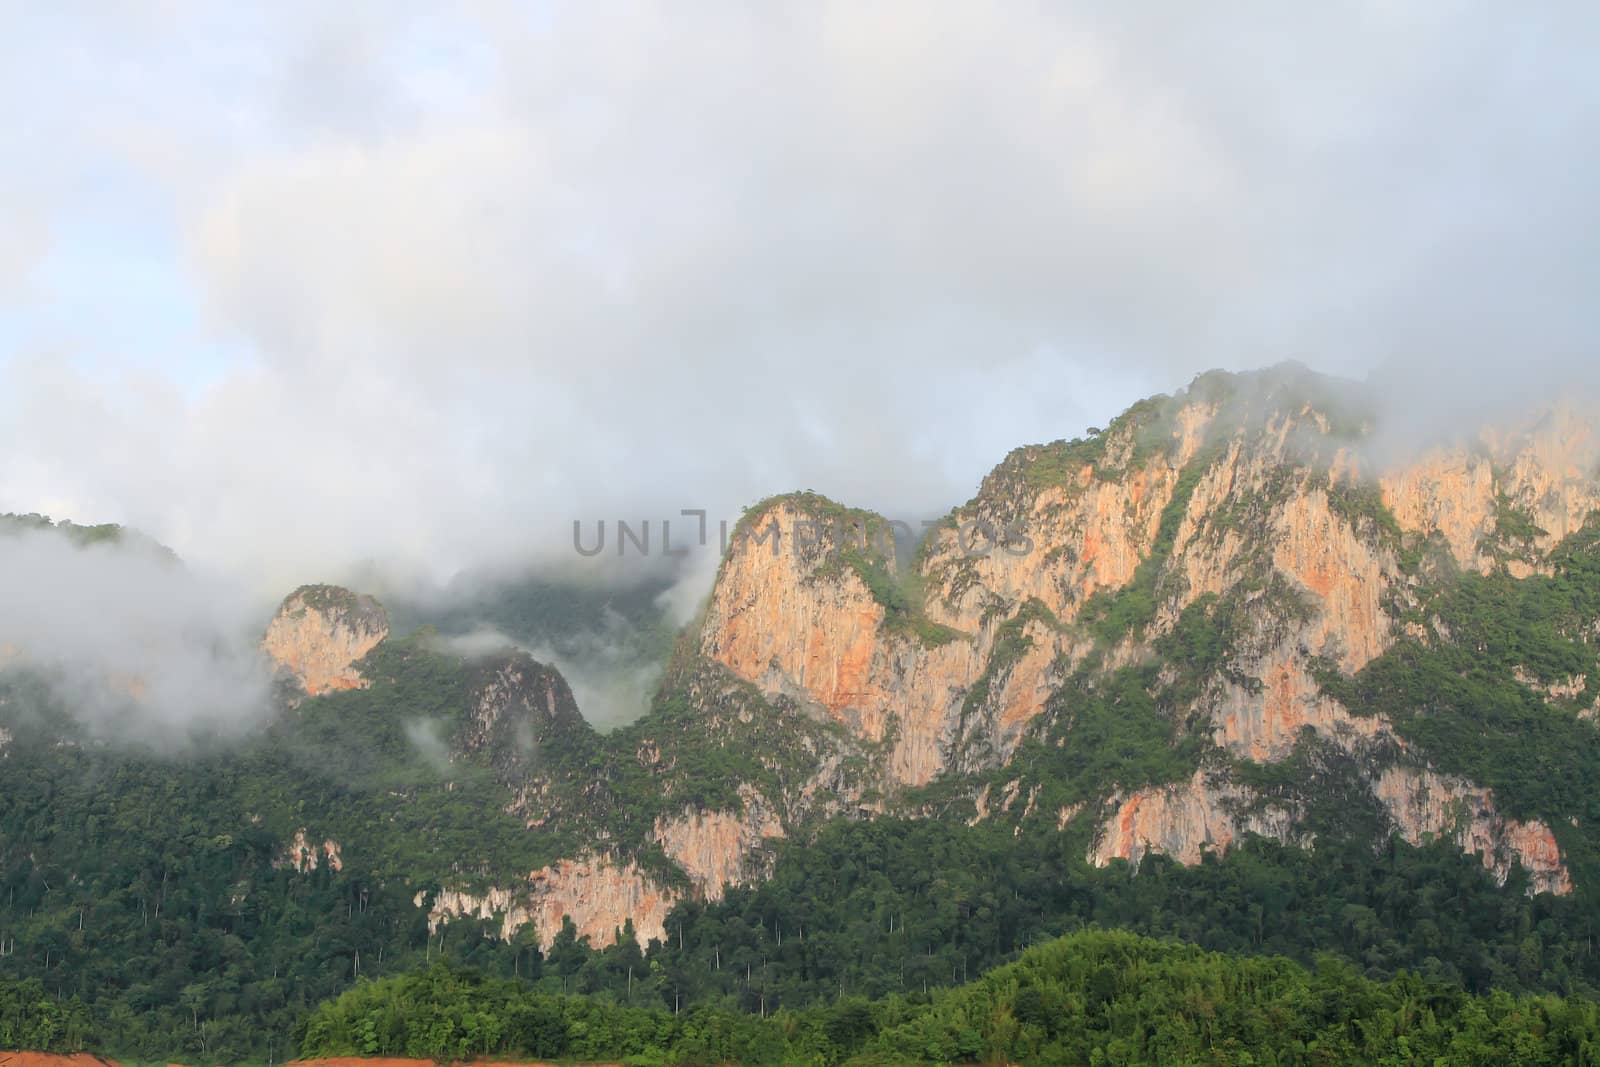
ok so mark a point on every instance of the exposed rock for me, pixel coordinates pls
(320, 633)
(1559, 689)
(1450, 493)
(1263, 723)
(598, 894)
(1344, 574)
(518, 706)
(1278, 514)
(304, 855)
(1186, 820)
(716, 849)
(1424, 805)
(1547, 469)
(798, 624)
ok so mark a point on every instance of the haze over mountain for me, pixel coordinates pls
(1208, 673)
(1149, 467)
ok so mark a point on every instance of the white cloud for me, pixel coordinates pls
(495, 273)
(134, 644)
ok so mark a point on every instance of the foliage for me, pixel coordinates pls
(108, 534)
(32, 1019)
(1092, 997)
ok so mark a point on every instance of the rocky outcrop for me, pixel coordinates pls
(599, 894)
(1241, 497)
(516, 708)
(319, 634)
(1185, 821)
(303, 855)
(1208, 813)
(718, 849)
(1426, 805)
(1263, 720)
(1544, 472)
(787, 614)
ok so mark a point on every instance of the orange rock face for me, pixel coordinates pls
(715, 848)
(1276, 503)
(1182, 821)
(1424, 805)
(318, 635)
(599, 895)
(1263, 725)
(1547, 469)
(304, 855)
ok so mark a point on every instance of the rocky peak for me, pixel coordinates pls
(319, 634)
(518, 706)
(1245, 518)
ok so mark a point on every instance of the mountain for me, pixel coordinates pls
(1233, 669)
(1219, 617)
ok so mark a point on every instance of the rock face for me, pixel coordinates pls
(597, 893)
(601, 894)
(719, 849)
(1424, 804)
(1248, 498)
(303, 855)
(1185, 821)
(319, 634)
(518, 707)
(1546, 472)
(1225, 566)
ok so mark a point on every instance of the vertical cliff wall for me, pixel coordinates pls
(1253, 499)
(318, 635)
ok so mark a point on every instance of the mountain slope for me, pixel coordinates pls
(1216, 586)
(1313, 701)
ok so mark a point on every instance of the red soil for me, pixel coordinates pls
(51, 1059)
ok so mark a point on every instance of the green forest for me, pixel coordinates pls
(1088, 998)
(1094, 997)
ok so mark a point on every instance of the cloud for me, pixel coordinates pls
(133, 644)
(490, 273)
(611, 680)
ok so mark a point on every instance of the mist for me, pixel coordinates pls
(130, 643)
(374, 289)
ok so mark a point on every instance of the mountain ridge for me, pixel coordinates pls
(1203, 581)
(1218, 640)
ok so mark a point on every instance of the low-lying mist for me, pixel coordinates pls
(129, 642)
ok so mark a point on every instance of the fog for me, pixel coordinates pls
(132, 643)
(610, 680)
(315, 291)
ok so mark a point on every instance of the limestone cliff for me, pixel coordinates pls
(1425, 804)
(719, 849)
(599, 894)
(319, 634)
(304, 855)
(1249, 506)
(602, 894)
(1185, 821)
(1160, 639)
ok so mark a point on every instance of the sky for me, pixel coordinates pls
(300, 287)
